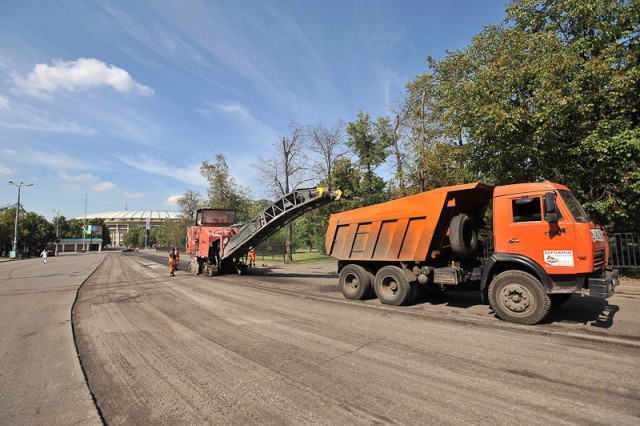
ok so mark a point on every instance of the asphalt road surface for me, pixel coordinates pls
(282, 346)
(41, 381)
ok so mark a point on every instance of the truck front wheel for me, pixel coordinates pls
(392, 286)
(519, 297)
(355, 282)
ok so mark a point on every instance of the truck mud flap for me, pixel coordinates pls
(604, 286)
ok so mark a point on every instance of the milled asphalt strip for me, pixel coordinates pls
(471, 320)
(75, 342)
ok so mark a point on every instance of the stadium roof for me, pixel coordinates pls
(134, 215)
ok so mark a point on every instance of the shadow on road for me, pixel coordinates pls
(578, 310)
(584, 310)
(453, 298)
(288, 273)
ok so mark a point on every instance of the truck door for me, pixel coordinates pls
(526, 230)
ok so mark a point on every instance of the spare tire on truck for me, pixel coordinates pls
(463, 236)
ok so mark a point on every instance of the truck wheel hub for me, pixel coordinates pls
(390, 285)
(515, 298)
(353, 282)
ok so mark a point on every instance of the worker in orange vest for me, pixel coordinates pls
(173, 262)
(252, 257)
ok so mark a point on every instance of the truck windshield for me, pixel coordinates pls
(574, 206)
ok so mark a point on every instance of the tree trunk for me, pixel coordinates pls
(399, 171)
(288, 232)
(421, 181)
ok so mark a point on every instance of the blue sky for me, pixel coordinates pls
(124, 100)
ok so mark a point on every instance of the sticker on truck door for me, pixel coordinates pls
(558, 257)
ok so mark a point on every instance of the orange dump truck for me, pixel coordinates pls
(543, 248)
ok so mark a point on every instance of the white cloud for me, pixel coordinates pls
(78, 178)
(103, 186)
(4, 170)
(190, 175)
(134, 195)
(71, 187)
(79, 75)
(233, 108)
(171, 201)
(53, 159)
(4, 102)
(43, 124)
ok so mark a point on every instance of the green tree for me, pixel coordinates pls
(286, 171)
(61, 224)
(71, 228)
(434, 151)
(224, 192)
(189, 203)
(172, 232)
(35, 232)
(105, 235)
(327, 143)
(309, 230)
(348, 178)
(135, 236)
(553, 93)
(369, 142)
(7, 223)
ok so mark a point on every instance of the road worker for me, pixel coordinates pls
(172, 262)
(252, 257)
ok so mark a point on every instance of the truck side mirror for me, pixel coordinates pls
(550, 208)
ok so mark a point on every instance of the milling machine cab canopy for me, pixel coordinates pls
(217, 217)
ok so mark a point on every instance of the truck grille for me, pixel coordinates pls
(598, 258)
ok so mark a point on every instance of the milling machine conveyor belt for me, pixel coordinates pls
(276, 216)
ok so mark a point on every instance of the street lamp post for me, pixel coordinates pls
(57, 212)
(84, 226)
(15, 229)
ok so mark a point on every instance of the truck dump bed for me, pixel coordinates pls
(407, 229)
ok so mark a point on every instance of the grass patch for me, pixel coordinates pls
(632, 273)
(299, 257)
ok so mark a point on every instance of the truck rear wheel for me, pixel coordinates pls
(392, 286)
(355, 282)
(463, 236)
(519, 297)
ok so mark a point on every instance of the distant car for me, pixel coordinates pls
(128, 250)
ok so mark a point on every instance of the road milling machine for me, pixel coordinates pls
(218, 245)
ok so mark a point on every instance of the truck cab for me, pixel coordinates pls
(542, 230)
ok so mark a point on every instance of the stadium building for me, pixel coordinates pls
(120, 222)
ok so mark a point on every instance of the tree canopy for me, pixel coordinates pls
(552, 93)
